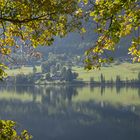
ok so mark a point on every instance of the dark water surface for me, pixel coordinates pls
(73, 113)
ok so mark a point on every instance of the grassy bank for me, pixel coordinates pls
(23, 70)
(124, 70)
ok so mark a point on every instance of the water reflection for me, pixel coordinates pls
(74, 113)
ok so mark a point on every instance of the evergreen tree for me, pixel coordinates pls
(102, 79)
(69, 75)
(34, 69)
(139, 76)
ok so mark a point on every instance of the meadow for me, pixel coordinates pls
(23, 70)
(125, 71)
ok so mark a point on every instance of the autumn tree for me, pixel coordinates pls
(26, 24)
(114, 19)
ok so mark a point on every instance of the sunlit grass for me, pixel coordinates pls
(22, 70)
(125, 71)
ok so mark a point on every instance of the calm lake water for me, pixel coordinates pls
(73, 113)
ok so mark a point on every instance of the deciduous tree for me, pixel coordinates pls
(114, 19)
(30, 23)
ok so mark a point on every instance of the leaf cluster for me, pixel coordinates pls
(8, 131)
(114, 20)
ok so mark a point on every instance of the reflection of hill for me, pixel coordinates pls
(85, 119)
(63, 114)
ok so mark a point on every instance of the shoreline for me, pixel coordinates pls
(78, 83)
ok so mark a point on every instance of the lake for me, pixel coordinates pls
(73, 112)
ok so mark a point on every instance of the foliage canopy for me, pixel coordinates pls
(31, 23)
(114, 20)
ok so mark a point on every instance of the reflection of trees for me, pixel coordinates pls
(57, 115)
(58, 94)
(102, 89)
(19, 89)
(83, 110)
(84, 116)
(118, 89)
(139, 92)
